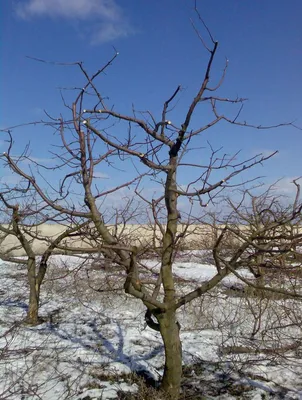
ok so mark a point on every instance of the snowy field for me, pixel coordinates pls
(94, 343)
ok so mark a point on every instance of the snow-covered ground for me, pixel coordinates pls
(92, 341)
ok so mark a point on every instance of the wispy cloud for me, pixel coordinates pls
(106, 18)
(34, 161)
(265, 152)
(100, 175)
(109, 31)
(10, 180)
(286, 186)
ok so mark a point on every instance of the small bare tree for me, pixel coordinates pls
(269, 226)
(22, 217)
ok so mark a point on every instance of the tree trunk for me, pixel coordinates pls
(32, 317)
(169, 329)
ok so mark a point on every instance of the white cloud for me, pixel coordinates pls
(106, 18)
(41, 161)
(100, 175)
(10, 179)
(109, 31)
(34, 160)
(82, 9)
(286, 186)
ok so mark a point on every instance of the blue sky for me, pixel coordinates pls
(158, 51)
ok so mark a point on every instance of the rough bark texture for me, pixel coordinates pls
(169, 330)
(32, 317)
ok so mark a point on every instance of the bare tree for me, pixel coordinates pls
(268, 225)
(152, 149)
(24, 216)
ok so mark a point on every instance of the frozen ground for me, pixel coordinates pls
(92, 341)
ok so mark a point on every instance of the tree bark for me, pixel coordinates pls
(169, 329)
(32, 317)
